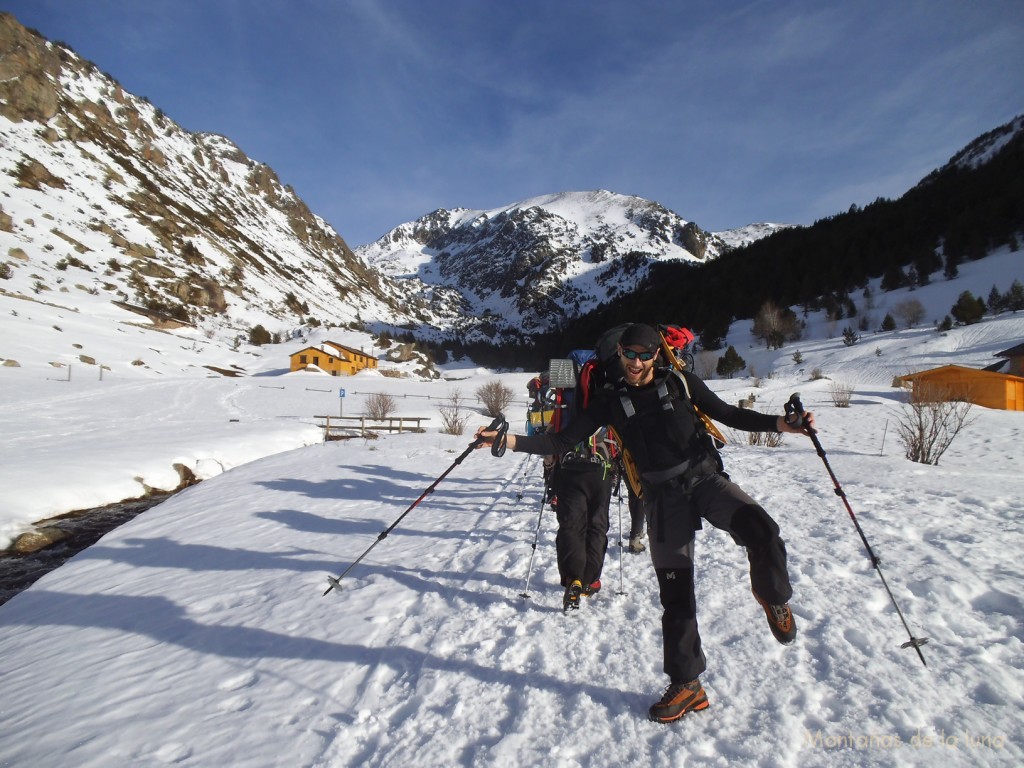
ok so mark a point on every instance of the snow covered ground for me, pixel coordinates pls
(198, 635)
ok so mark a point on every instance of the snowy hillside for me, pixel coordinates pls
(108, 207)
(534, 264)
(198, 635)
(878, 356)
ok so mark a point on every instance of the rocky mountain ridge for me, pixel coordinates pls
(538, 263)
(102, 193)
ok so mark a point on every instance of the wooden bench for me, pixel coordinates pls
(333, 426)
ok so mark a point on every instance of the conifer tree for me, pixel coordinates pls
(968, 309)
(730, 362)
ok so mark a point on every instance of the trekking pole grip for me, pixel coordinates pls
(794, 410)
(494, 426)
(500, 426)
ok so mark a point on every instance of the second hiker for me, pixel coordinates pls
(581, 482)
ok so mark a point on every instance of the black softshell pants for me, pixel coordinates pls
(636, 513)
(583, 492)
(673, 517)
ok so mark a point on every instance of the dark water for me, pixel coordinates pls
(19, 572)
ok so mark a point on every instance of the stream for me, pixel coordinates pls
(20, 571)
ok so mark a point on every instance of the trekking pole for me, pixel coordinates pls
(497, 448)
(525, 594)
(526, 474)
(618, 493)
(795, 408)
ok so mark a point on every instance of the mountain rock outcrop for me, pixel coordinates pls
(105, 192)
(534, 265)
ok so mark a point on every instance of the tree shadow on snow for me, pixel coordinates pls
(308, 522)
(165, 622)
(348, 488)
(164, 553)
(506, 588)
(374, 484)
(198, 558)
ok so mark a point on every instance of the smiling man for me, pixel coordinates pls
(652, 408)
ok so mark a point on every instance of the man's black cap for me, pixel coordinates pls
(640, 335)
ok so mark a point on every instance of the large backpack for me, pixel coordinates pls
(540, 412)
(601, 371)
(568, 394)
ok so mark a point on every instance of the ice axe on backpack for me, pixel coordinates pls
(499, 425)
(795, 416)
(675, 337)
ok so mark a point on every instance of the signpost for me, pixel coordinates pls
(341, 402)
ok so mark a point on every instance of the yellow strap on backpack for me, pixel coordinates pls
(679, 365)
(632, 473)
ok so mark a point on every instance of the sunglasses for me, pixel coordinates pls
(631, 354)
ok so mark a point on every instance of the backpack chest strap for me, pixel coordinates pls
(663, 397)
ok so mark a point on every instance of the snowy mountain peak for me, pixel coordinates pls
(984, 148)
(534, 264)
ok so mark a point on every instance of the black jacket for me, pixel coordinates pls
(657, 437)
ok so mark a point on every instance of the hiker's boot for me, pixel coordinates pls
(679, 699)
(780, 621)
(571, 600)
(592, 588)
(636, 544)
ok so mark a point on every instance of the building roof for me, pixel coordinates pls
(350, 350)
(949, 368)
(305, 349)
(340, 350)
(1017, 351)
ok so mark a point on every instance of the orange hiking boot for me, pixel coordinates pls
(780, 621)
(592, 588)
(571, 600)
(679, 699)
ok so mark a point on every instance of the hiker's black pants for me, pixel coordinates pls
(636, 513)
(673, 516)
(583, 491)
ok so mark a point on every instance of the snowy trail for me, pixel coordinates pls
(475, 671)
(207, 612)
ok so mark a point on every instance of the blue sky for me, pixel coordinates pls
(728, 113)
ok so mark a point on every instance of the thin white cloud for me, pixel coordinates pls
(728, 112)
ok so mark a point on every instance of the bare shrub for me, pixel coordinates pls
(704, 364)
(841, 394)
(495, 397)
(764, 439)
(816, 374)
(774, 325)
(380, 406)
(454, 413)
(910, 311)
(929, 421)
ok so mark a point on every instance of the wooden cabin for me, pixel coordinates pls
(333, 358)
(985, 388)
(1015, 360)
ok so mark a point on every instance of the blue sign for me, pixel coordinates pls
(341, 393)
